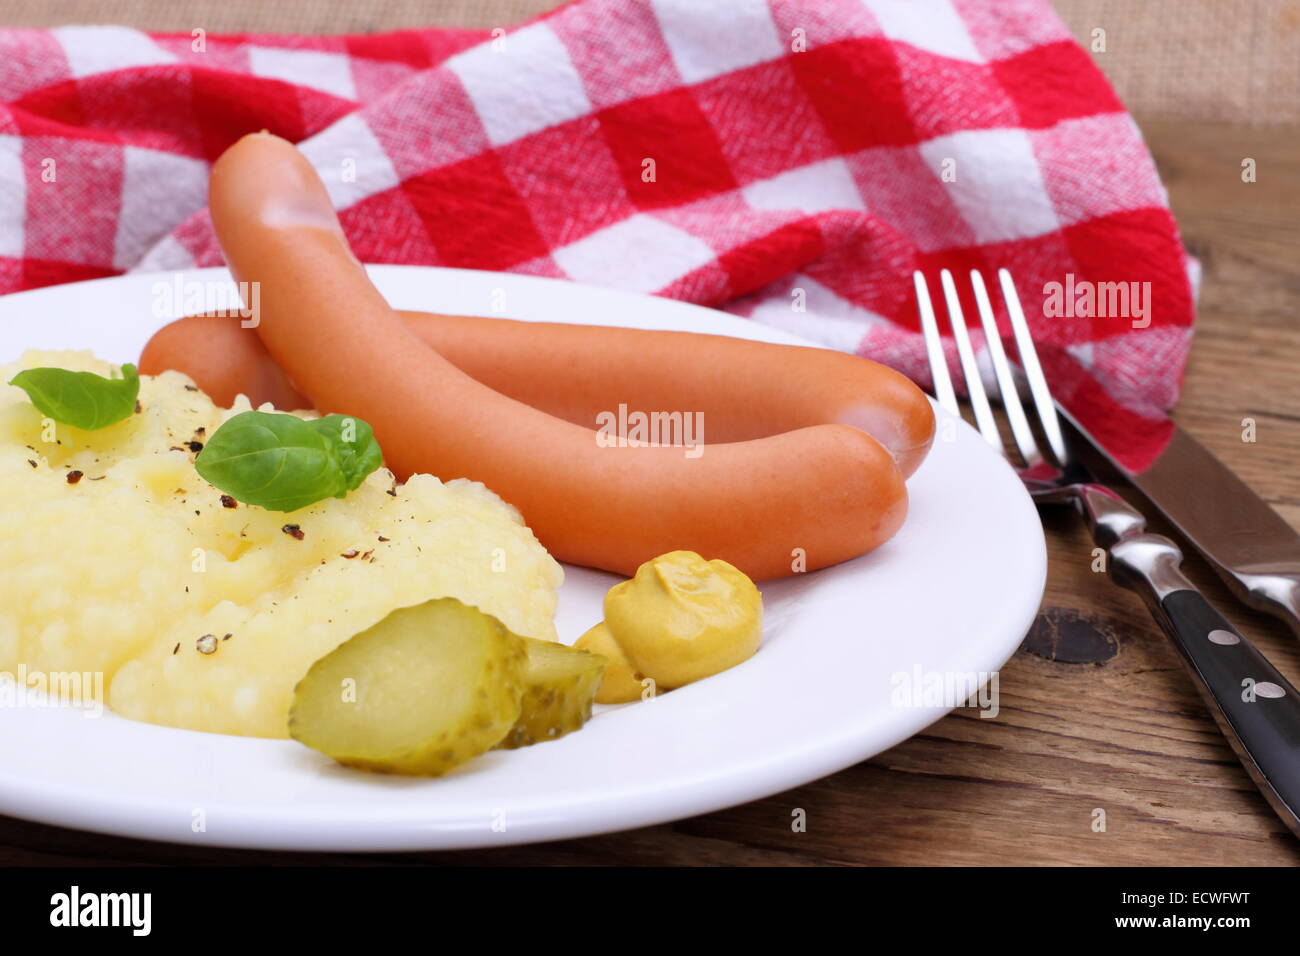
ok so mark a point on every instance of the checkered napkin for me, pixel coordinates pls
(792, 161)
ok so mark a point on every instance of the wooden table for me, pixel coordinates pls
(1096, 712)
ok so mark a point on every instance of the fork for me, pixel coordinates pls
(1256, 708)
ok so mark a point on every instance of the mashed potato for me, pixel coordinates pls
(137, 565)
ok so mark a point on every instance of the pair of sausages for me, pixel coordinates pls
(806, 450)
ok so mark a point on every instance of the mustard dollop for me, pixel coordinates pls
(682, 618)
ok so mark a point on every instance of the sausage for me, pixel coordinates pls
(806, 498)
(223, 358)
(743, 389)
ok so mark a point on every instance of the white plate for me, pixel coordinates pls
(951, 595)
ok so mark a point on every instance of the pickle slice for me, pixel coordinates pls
(424, 690)
(559, 686)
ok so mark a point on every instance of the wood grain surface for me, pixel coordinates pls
(1096, 713)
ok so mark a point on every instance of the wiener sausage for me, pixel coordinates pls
(801, 499)
(223, 358)
(743, 389)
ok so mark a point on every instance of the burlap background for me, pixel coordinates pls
(1233, 60)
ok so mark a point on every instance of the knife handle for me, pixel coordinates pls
(1273, 592)
(1256, 707)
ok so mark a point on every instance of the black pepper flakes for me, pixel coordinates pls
(294, 531)
(350, 553)
(74, 476)
(138, 407)
(194, 446)
(30, 462)
(191, 388)
(177, 648)
(228, 502)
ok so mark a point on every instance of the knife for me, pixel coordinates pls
(1248, 543)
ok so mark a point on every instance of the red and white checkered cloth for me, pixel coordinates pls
(727, 152)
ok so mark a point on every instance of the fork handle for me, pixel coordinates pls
(1256, 707)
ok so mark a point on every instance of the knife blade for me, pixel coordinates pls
(1253, 549)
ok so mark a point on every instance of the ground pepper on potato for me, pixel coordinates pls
(115, 572)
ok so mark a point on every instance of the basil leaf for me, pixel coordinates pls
(354, 441)
(81, 399)
(275, 461)
(282, 463)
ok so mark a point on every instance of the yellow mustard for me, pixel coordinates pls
(682, 618)
(621, 683)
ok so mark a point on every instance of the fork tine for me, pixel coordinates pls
(934, 347)
(1020, 430)
(1042, 395)
(979, 400)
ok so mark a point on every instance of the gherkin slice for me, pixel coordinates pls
(421, 692)
(560, 684)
